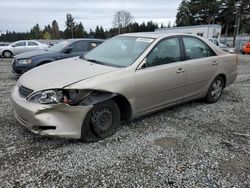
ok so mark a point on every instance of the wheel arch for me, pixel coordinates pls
(97, 96)
(223, 76)
(7, 50)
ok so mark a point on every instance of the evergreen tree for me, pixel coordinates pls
(183, 17)
(35, 32)
(55, 32)
(79, 31)
(70, 26)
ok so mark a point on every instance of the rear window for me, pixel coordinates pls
(196, 49)
(32, 43)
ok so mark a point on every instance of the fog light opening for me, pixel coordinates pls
(43, 128)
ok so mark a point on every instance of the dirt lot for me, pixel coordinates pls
(191, 145)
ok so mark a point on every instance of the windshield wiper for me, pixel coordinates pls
(95, 61)
(102, 63)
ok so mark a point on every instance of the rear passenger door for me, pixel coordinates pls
(32, 45)
(201, 66)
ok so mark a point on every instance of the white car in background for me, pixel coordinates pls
(20, 47)
(222, 46)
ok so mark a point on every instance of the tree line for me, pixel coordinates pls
(77, 30)
(222, 12)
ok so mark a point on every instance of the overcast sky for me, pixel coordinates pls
(21, 15)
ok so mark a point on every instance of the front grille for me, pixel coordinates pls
(24, 91)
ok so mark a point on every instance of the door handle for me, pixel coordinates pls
(214, 63)
(180, 70)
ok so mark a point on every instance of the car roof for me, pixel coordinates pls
(87, 39)
(154, 35)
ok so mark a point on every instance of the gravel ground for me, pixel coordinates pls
(191, 145)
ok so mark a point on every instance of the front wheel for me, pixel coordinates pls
(215, 90)
(101, 122)
(7, 54)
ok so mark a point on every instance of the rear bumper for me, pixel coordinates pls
(53, 120)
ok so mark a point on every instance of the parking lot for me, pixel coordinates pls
(191, 145)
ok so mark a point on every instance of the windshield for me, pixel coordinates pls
(119, 51)
(59, 46)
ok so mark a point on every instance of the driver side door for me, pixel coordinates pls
(19, 47)
(161, 81)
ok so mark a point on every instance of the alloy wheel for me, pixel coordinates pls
(217, 89)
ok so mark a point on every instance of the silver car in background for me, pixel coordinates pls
(124, 78)
(21, 47)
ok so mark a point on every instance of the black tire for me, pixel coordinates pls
(101, 122)
(7, 54)
(215, 90)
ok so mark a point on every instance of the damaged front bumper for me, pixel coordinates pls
(60, 120)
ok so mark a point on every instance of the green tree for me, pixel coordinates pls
(79, 31)
(70, 26)
(169, 25)
(142, 27)
(151, 26)
(35, 32)
(91, 33)
(183, 16)
(102, 33)
(46, 35)
(99, 32)
(55, 32)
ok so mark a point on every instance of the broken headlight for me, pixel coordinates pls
(55, 96)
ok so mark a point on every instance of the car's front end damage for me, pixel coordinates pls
(60, 119)
(47, 103)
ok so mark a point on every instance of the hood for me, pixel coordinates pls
(61, 73)
(31, 54)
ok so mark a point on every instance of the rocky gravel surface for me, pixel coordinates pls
(191, 145)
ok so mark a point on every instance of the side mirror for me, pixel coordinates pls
(67, 50)
(13, 45)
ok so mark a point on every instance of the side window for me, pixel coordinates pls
(167, 51)
(196, 49)
(23, 43)
(94, 44)
(32, 43)
(80, 46)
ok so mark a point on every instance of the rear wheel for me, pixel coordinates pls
(101, 122)
(7, 54)
(215, 90)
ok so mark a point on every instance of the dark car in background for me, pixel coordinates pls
(65, 49)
